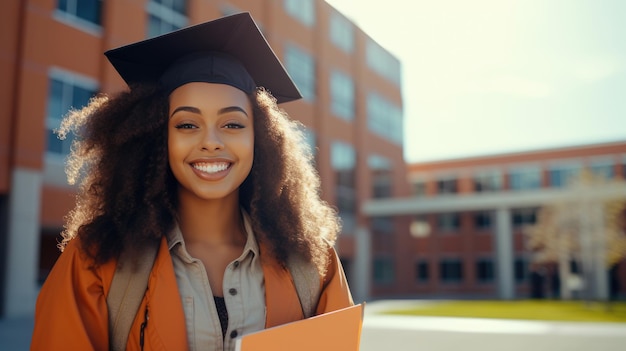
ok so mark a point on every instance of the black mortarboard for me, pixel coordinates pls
(229, 50)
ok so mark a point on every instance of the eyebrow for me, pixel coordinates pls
(219, 112)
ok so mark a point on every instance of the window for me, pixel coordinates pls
(382, 177)
(521, 269)
(447, 186)
(382, 62)
(384, 118)
(419, 188)
(524, 178)
(451, 270)
(487, 181)
(165, 16)
(342, 95)
(483, 220)
(421, 271)
(560, 175)
(524, 216)
(574, 267)
(343, 161)
(302, 10)
(341, 32)
(484, 270)
(228, 10)
(602, 168)
(448, 222)
(383, 270)
(301, 68)
(65, 91)
(383, 225)
(89, 11)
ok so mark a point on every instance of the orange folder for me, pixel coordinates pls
(334, 331)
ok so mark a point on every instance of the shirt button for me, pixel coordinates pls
(236, 264)
(232, 291)
(233, 334)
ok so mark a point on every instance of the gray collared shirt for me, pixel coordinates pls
(243, 289)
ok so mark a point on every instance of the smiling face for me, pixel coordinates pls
(210, 139)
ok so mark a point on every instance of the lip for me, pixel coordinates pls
(214, 175)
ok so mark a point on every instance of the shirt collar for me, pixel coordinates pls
(175, 236)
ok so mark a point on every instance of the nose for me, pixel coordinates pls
(211, 140)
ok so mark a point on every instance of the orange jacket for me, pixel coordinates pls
(71, 311)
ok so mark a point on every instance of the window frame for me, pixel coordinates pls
(166, 15)
(301, 66)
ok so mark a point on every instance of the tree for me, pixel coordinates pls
(585, 226)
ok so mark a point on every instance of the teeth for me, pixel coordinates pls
(211, 167)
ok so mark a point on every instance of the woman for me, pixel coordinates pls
(197, 160)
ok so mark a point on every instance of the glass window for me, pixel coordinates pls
(228, 10)
(382, 62)
(448, 222)
(382, 177)
(341, 32)
(521, 269)
(86, 10)
(524, 178)
(487, 181)
(483, 220)
(384, 118)
(343, 161)
(447, 186)
(342, 95)
(383, 270)
(419, 188)
(165, 16)
(484, 270)
(302, 10)
(560, 175)
(574, 267)
(301, 68)
(603, 168)
(524, 216)
(65, 92)
(383, 225)
(451, 270)
(421, 271)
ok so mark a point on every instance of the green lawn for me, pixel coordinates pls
(571, 311)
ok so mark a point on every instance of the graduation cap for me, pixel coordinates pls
(229, 50)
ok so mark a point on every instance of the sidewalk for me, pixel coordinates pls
(407, 333)
(399, 333)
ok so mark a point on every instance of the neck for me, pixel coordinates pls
(217, 222)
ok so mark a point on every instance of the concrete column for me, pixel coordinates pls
(600, 247)
(361, 270)
(22, 249)
(504, 254)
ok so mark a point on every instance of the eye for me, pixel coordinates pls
(185, 126)
(234, 125)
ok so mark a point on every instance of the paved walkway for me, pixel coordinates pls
(404, 333)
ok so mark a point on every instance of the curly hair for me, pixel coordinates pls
(127, 193)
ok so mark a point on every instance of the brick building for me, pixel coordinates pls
(51, 59)
(467, 238)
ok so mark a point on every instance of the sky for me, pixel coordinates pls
(484, 77)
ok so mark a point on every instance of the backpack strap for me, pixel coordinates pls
(130, 282)
(307, 280)
(127, 290)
